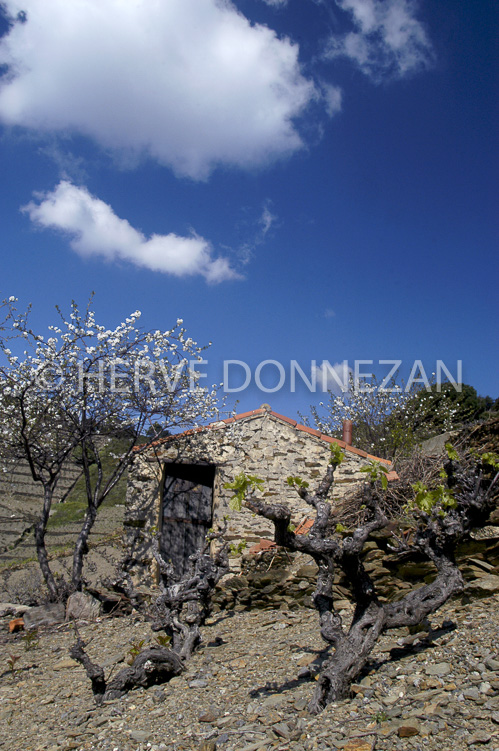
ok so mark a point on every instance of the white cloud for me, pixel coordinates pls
(276, 3)
(95, 230)
(70, 167)
(332, 96)
(191, 84)
(260, 228)
(389, 42)
(266, 220)
(333, 378)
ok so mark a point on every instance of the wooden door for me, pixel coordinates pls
(187, 512)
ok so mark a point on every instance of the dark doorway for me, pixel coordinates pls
(187, 511)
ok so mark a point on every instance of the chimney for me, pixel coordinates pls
(347, 432)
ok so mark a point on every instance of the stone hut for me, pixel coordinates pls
(176, 487)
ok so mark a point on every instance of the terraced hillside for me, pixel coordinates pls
(20, 500)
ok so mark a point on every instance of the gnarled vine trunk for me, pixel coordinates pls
(435, 535)
(180, 610)
(153, 665)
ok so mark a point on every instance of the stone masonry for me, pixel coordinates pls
(261, 443)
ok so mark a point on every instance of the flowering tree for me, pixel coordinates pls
(66, 396)
(387, 418)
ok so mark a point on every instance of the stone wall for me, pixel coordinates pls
(277, 578)
(260, 443)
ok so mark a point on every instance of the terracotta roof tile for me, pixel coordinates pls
(311, 431)
(359, 452)
(329, 439)
(285, 419)
(261, 546)
(377, 459)
(249, 414)
(304, 527)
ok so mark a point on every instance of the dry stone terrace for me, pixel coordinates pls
(261, 443)
(21, 498)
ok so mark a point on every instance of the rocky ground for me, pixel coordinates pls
(248, 688)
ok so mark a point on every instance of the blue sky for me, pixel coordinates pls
(301, 180)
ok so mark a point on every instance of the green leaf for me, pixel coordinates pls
(337, 455)
(440, 499)
(451, 452)
(491, 459)
(163, 640)
(236, 503)
(297, 482)
(237, 549)
(242, 483)
(377, 471)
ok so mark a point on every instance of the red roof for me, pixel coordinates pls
(281, 418)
